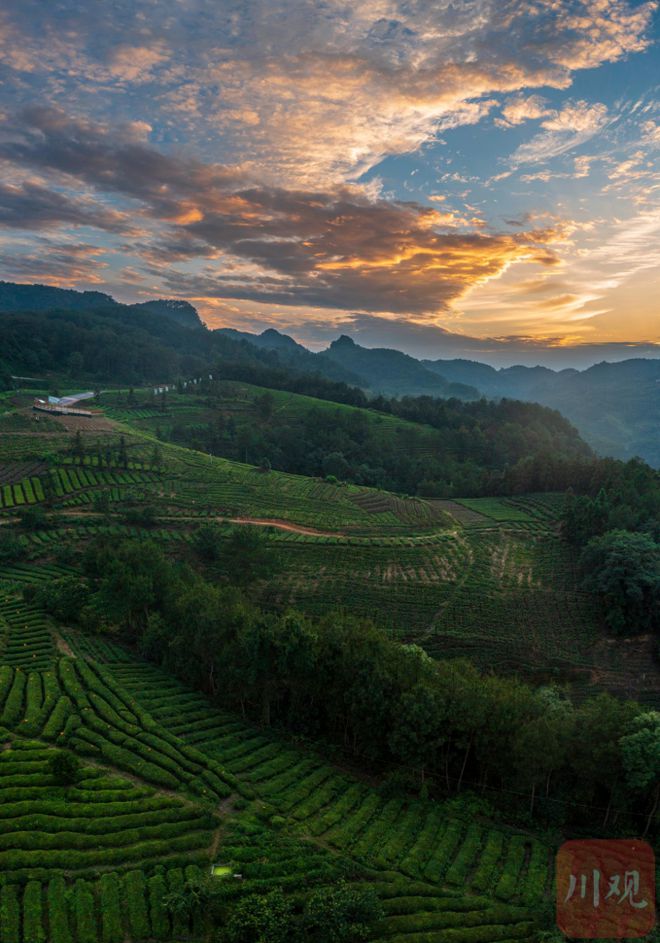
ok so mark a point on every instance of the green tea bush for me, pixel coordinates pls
(58, 918)
(135, 889)
(13, 708)
(84, 916)
(160, 923)
(110, 899)
(33, 929)
(10, 914)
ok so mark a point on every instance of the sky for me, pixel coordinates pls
(476, 178)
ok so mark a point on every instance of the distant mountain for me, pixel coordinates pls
(15, 297)
(615, 406)
(393, 373)
(270, 339)
(294, 355)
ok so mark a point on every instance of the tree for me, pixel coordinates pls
(277, 653)
(77, 446)
(340, 914)
(265, 405)
(143, 515)
(195, 894)
(48, 487)
(623, 568)
(418, 727)
(335, 464)
(258, 919)
(123, 453)
(63, 598)
(101, 501)
(246, 555)
(640, 750)
(133, 578)
(64, 767)
(207, 541)
(540, 745)
(11, 548)
(594, 752)
(156, 461)
(33, 518)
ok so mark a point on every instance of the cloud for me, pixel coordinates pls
(564, 130)
(310, 92)
(651, 132)
(232, 136)
(32, 206)
(339, 247)
(135, 63)
(520, 108)
(64, 264)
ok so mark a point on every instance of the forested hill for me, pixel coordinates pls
(616, 406)
(15, 297)
(52, 332)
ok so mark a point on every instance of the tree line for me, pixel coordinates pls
(445, 448)
(438, 726)
(615, 523)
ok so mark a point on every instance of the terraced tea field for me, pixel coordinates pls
(26, 638)
(152, 807)
(485, 577)
(418, 839)
(103, 822)
(170, 785)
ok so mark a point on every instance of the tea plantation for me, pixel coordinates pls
(169, 785)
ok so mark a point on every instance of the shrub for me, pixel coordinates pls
(160, 923)
(57, 720)
(10, 914)
(341, 914)
(135, 888)
(111, 928)
(83, 908)
(64, 767)
(58, 920)
(14, 704)
(33, 929)
(258, 919)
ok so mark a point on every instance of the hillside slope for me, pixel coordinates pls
(615, 406)
(489, 578)
(438, 451)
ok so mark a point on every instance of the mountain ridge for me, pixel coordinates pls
(18, 296)
(615, 405)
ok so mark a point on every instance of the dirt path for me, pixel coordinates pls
(63, 646)
(252, 521)
(281, 525)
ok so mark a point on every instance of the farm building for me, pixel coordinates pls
(64, 406)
